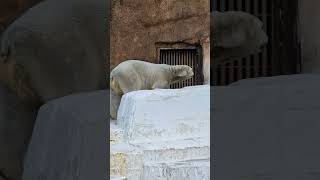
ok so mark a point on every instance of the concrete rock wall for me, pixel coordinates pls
(162, 134)
(138, 27)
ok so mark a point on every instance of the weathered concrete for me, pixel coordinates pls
(187, 170)
(267, 128)
(69, 139)
(162, 134)
(138, 28)
(163, 113)
(118, 178)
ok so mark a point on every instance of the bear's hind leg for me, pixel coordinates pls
(114, 104)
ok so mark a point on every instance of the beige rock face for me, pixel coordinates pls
(138, 27)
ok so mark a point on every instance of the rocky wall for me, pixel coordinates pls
(139, 27)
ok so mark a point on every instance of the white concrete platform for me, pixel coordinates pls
(118, 178)
(162, 134)
(165, 113)
(116, 133)
(195, 169)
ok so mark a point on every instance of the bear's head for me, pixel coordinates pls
(181, 73)
(236, 34)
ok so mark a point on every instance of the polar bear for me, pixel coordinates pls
(133, 75)
(236, 34)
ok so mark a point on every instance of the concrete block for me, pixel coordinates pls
(165, 113)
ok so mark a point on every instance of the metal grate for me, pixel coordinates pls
(256, 65)
(190, 57)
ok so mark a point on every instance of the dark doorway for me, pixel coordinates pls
(186, 56)
(282, 54)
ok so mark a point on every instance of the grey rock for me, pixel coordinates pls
(267, 128)
(69, 140)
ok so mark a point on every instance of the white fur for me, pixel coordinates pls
(133, 75)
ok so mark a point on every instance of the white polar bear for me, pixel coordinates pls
(133, 75)
(236, 34)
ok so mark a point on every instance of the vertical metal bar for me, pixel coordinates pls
(227, 73)
(185, 84)
(176, 63)
(247, 7)
(214, 5)
(242, 5)
(185, 62)
(243, 69)
(265, 28)
(230, 5)
(193, 68)
(223, 5)
(173, 62)
(196, 60)
(222, 75)
(255, 6)
(239, 64)
(236, 5)
(180, 85)
(189, 60)
(235, 70)
(180, 51)
(190, 64)
(231, 72)
(163, 56)
(169, 60)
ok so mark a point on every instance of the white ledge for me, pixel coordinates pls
(165, 113)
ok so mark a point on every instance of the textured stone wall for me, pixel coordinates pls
(138, 27)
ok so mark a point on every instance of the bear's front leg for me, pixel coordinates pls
(115, 100)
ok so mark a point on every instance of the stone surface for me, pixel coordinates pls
(187, 170)
(170, 144)
(137, 34)
(160, 114)
(117, 178)
(134, 34)
(126, 160)
(69, 139)
(174, 150)
(116, 134)
(271, 124)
